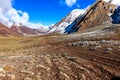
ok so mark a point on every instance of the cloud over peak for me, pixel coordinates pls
(70, 2)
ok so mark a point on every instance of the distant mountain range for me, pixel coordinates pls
(26, 31)
(20, 30)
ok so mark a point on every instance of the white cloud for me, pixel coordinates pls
(70, 2)
(6, 4)
(14, 16)
(9, 15)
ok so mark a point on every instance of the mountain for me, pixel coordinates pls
(20, 30)
(23, 30)
(5, 31)
(101, 12)
(60, 26)
(41, 30)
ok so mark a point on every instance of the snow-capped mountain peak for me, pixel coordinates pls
(74, 13)
(115, 2)
(60, 26)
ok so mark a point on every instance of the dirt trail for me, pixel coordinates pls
(98, 60)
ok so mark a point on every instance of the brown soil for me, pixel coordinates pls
(59, 61)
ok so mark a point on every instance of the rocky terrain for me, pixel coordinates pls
(62, 57)
(91, 52)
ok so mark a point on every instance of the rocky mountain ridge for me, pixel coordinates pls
(101, 12)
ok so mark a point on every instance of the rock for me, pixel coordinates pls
(94, 48)
(2, 56)
(69, 44)
(1, 69)
(75, 44)
(95, 44)
(74, 59)
(98, 47)
(2, 74)
(94, 59)
(27, 72)
(81, 44)
(108, 50)
(65, 54)
(27, 78)
(119, 47)
(11, 76)
(82, 77)
(102, 41)
(8, 67)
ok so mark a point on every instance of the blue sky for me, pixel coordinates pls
(48, 12)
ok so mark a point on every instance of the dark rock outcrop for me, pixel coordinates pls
(116, 16)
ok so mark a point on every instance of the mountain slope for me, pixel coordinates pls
(23, 30)
(60, 26)
(5, 31)
(116, 16)
(99, 13)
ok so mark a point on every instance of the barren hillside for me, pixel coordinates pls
(85, 56)
(5, 31)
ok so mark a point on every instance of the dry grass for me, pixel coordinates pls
(26, 57)
(13, 43)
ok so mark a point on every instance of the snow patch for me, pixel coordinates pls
(116, 2)
(67, 21)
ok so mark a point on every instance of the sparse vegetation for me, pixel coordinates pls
(55, 57)
(14, 43)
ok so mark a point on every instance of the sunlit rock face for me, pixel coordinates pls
(99, 13)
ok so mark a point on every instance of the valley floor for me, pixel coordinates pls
(59, 58)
